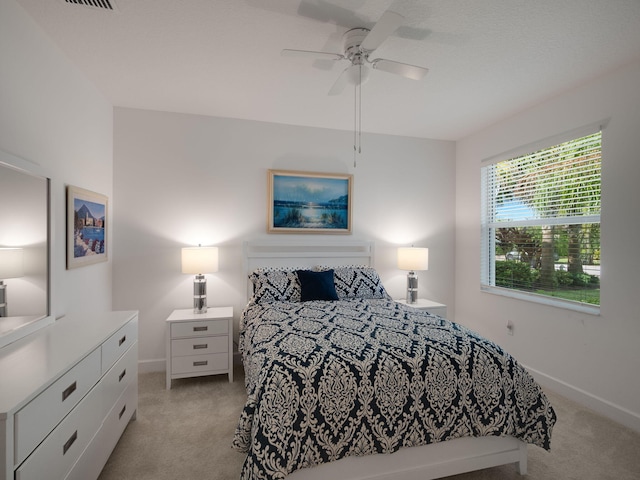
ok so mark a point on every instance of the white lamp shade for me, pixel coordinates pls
(413, 258)
(197, 260)
(11, 263)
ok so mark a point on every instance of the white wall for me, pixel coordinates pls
(52, 116)
(180, 180)
(594, 359)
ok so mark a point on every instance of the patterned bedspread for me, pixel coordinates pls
(327, 380)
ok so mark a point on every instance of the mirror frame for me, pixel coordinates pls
(37, 322)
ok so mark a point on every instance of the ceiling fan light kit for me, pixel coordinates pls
(358, 74)
(358, 44)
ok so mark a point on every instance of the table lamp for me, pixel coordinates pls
(198, 261)
(413, 259)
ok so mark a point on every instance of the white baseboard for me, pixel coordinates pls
(600, 405)
(148, 366)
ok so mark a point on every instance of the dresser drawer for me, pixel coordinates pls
(206, 327)
(36, 419)
(199, 346)
(118, 417)
(98, 452)
(57, 454)
(118, 343)
(120, 375)
(200, 363)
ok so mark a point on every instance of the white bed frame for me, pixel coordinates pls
(416, 463)
(304, 255)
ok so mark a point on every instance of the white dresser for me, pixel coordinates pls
(67, 393)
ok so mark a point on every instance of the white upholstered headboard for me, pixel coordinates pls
(304, 254)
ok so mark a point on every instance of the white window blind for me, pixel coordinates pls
(541, 221)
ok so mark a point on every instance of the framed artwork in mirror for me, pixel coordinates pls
(87, 214)
(304, 202)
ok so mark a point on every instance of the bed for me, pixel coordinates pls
(343, 382)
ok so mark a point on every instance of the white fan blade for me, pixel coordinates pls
(307, 53)
(340, 82)
(388, 23)
(404, 69)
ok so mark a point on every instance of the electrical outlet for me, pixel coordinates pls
(510, 327)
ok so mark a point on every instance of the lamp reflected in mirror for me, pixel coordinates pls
(11, 266)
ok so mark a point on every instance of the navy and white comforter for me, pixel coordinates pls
(327, 380)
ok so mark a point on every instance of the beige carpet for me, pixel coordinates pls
(185, 433)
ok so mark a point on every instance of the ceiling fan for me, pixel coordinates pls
(359, 44)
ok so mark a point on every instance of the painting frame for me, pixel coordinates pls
(327, 197)
(87, 240)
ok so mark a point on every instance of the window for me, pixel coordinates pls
(541, 224)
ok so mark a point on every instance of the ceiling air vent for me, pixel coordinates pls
(101, 4)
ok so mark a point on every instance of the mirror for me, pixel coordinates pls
(25, 249)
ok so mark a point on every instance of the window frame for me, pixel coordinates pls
(488, 240)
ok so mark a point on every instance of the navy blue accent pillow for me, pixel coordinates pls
(316, 285)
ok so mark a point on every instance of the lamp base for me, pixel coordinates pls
(200, 294)
(412, 287)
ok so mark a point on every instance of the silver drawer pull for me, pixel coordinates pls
(201, 346)
(121, 376)
(122, 340)
(200, 364)
(122, 412)
(69, 442)
(200, 329)
(68, 391)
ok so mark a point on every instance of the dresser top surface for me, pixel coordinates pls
(32, 363)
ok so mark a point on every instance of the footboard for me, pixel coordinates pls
(425, 462)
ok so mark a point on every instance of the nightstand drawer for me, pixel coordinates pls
(199, 328)
(200, 363)
(199, 346)
(429, 306)
(440, 311)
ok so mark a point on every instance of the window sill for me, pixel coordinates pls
(550, 301)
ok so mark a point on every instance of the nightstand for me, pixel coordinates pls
(199, 344)
(430, 306)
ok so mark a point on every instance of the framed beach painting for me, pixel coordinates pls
(86, 227)
(303, 202)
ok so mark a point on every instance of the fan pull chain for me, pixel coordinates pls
(355, 124)
(360, 113)
(357, 118)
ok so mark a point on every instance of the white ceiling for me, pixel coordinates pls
(488, 59)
